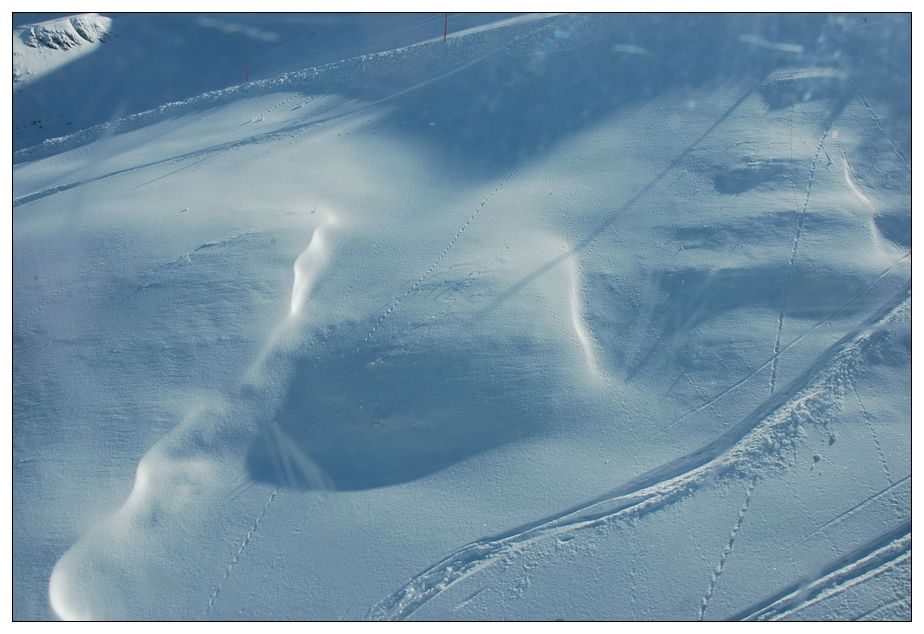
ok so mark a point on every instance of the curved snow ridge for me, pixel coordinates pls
(187, 468)
(762, 442)
(306, 271)
(370, 65)
(177, 474)
(578, 322)
(309, 265)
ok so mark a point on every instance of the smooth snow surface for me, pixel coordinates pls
(567, 317)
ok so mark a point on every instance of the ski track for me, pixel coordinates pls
(847, 585)
(727, 551)
(176, 171)
(902, 600)
(307, 78)
(699, 392)
(203, 153)
(792, 257)
(279, 133)
(808, 513)
(734, 386)
(856, 567)
(469, 599)
(742, 450)
(585, 243)
(731, 373)
(240, 551)
(836, 519)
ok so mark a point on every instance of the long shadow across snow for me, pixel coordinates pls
(544, 83)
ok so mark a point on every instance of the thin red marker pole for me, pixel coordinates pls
(445, 26)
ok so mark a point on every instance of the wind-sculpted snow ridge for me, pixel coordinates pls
(40, 48)
(68, 33)
(752, 449)
(478, 44)
(189, 464)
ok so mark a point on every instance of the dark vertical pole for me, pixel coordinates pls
(245, 72)
(445, 25)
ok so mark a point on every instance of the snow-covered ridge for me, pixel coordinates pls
(43, 47)
(68, 32)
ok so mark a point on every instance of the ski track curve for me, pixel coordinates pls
(740, 451)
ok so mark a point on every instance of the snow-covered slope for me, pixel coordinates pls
(147, 60)
(580, 317)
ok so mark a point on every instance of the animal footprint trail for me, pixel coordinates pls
(306, 271)
(885, 134)
(743, 381)
(742, 447)
(800, 227)
(416, 285)
(322, 193)
(279, 557)
(269, 111)
(727, 551)
(872, 430)
(240, 551)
